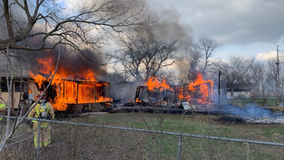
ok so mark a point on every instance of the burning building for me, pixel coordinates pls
(64, 96)
(198, 92)
(70, 90)
(160, 93)
(154, 92)
(73, 87)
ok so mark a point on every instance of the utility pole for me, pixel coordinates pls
(219, 74)
(277, 80)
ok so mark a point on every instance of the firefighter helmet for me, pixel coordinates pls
(41, 93)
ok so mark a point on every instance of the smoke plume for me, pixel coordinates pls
(248, 111)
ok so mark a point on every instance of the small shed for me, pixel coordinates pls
(238, 90)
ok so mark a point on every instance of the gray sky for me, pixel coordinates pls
(244, 27)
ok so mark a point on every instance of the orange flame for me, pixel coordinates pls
(138, 101)
(70, 92)
(153, 84)
(180, 95)
(198, 91)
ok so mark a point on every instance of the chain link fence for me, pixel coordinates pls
(82, 141)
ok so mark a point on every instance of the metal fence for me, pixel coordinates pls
(73, 140)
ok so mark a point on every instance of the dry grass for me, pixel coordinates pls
(81, 142)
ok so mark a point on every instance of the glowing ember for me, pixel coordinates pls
(137, 100)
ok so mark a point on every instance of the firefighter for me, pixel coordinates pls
(3, 108)
(42, 110)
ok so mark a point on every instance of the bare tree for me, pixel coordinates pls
(265, 91)
(257, 78)
(194, 56)
(207, 46)
(276, 85)
(25, 22)
(143, 57)
(236, 70)
(199, 54)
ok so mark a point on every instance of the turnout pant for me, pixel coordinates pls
(44, 134)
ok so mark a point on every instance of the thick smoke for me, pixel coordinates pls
(248, 111)
(70, 62)
(165, 27)
(121, 90)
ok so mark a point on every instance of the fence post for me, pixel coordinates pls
(38, 140)
(179, 146)
(248, 153)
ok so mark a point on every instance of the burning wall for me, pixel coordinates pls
(69, 87)
(80, 92)
(198, 92)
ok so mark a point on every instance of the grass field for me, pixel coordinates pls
(191, 124)
(204, 125)
(81, 142)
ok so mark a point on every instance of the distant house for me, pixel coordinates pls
(238, 90)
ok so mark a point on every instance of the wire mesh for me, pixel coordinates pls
(72, 140)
